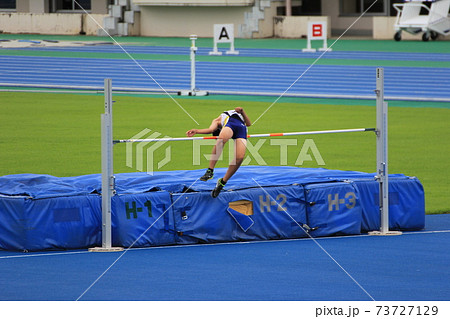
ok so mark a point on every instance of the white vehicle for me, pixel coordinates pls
(435, 22)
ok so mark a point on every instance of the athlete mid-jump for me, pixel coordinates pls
(230, 124)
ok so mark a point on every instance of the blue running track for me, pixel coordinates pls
(410, 267)
(334, 81)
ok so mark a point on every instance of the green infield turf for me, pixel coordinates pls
(59, 134)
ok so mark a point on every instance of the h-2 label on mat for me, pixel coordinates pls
(268, 202)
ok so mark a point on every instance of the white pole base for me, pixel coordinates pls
(388, 233)
(105, 249)
(193, 93)
(232, 52)
(309, 50)
(215, 53)
(325, 49)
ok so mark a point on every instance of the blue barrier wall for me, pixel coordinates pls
(50, 223)
(406, 204)
(39, 212)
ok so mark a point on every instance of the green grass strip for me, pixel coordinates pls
(243, 98)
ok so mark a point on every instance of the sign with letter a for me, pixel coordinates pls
(223, 33)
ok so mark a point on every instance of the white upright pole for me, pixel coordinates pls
(382, 153)
(382, 156)
(193, 91)
(108, 184)
(193, 51)
(107, 163)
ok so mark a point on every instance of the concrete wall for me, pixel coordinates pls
(39, 6)
(22, 5)
(383, 28)
(42, 6)
(50, 23)
(296, 26)
(266, 25)
(183, 3)
(199, 20)
(194, 17)
(99, 6)
(339, 23)
(178, 21)
(91, 26)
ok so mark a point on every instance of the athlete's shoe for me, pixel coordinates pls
(208, 175)
(216, 191)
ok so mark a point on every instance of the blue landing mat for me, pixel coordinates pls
(39, 212)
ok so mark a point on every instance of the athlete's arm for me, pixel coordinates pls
(214, 125)
(244, 115)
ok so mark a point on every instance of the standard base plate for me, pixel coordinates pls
(105, 249)
(389, 233)
(193, 93)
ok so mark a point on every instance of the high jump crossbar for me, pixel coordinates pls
(168, 139)
(108, 179)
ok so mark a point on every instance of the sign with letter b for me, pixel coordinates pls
(317, 31)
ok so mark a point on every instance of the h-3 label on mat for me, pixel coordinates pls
(334, 201)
